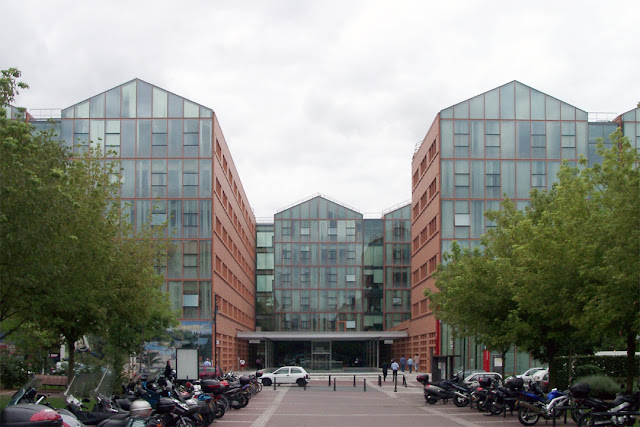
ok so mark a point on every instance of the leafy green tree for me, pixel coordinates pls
(69, 262)
(474, 299)
(30, 195)
(609, 239)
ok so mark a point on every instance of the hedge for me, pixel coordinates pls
(610, 366)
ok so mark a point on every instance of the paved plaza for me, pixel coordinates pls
(319, 405)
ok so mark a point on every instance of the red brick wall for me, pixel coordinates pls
(233, 255)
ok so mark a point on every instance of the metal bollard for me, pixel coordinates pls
(334, 384)
(305, 386)
(354, 380)
(329, 380)
(379, 380)
(395, 388)
(365, 384)
(274, 383)
(404, 380)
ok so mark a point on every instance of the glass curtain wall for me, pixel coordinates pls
(397, 266)
(163, 144)
(318, 268)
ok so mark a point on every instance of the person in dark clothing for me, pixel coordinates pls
(385, 370)
(168, 370)
(258, 364)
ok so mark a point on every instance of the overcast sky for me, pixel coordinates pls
(323, 96)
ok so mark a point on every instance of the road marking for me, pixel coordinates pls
(449, 417)
(271, 409)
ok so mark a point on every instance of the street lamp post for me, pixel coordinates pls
(215, 333)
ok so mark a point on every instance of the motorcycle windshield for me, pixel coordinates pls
(33, 384)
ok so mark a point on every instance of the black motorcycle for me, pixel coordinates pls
(453, 389)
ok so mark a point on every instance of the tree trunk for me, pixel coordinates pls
(71, 342)
(503, 355)
(631, 354)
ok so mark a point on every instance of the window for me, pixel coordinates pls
(286, 254)
(191, 132)
(112, 137)
(304, 228)
(305, 253)
(492, 178)
(461, 179)
(351, 277)
(461, 138)
(462, 219)
(351, 254)
(159, 178)
(190, 259)
(305, 277)
(286, 228)
(190, 218)
(538, 175)
(333, 254)
(159, 138)
(351, 229)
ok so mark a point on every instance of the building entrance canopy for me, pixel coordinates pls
(323, 351)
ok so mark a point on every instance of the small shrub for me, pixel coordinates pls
(14, 371)
(588, 370)
(602, 387)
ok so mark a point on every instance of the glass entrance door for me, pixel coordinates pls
(321, 355)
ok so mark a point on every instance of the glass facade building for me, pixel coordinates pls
(175, 169)
(322, 285)
(504, 142)
(321, 268)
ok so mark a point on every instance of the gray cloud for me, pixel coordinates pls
(327, 96)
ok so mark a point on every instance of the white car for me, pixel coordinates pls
(286, 375)
(527, 376)
(472, 380)
(542, 378)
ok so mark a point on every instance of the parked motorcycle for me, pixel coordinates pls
(444, 390)
(535, 405)
(23, 410)
(623, 411)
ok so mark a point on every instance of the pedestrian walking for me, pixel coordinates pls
(394, 369)
(416, 361)
(403, 363)
(242, 362)
(385, 370)
(207, 362)
(168, 370)
(258, 364)
(410, 364)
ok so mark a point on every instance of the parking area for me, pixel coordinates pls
(319, 405)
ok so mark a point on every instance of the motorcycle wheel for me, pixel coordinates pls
(219, 413)
(431, 400)
(576, 414)
(527, 417)
(496, 408)
(225, 402)
(185, 422)
(460, 402)
(239, 401)
(247, 396)
(480, 405)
